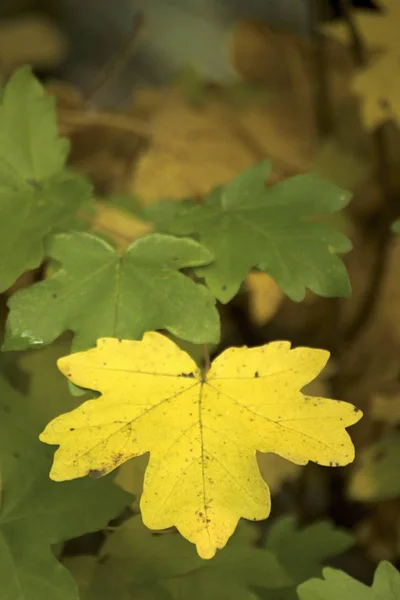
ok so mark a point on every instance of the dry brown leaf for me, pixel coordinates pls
(265, 297)
(193, 150)
(380, 532)
(119, 225)
(196, 149)
(104, 144)
(276, 470)
(130, 476)
(32, 39)
(386, 408)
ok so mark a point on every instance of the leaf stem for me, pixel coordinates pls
(207, 359)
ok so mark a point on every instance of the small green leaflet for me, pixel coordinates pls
(140, 564)
(303, 551)
(396, 227)
(247, 225)
(35, 512)
(376, 471)
(36, 194)
(337, 585)
(98, 293)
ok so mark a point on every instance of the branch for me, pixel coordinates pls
(357, 46)
(384, 219)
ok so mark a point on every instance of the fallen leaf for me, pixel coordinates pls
(265, 297)
(376, 471)
(194, 149)
(276, 470)
(104, 143)
(376, 83)
(119, 225)
(386, 408)
(30, 39)
(339, 165)
(202, 431)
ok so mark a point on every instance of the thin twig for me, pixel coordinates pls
(71, 120)
(118, 61)
(357, 46)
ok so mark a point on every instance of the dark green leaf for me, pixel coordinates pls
(303, 551)
(98, 293)
(167, 566)
(36, 195)
(396, 227)
(248, 225)
(36, 512)
(340, 586)
(337, 585)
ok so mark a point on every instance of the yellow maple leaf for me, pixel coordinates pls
(376, 84)
(380, 31)
(202, 430)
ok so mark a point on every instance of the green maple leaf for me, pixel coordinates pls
(35, 512)
(143, 565)
(275, 229)
(337, 585)
(396, 227)
(36, 194)
(303, 551)
(98, 293)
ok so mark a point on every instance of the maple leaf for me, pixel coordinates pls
(35, 512)
(303, 551)
(246, 224)
(381, 96)
(202, 431)
(167, 566)
(337, 585)
(36, 194)
(376, 83)
(108, 294)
